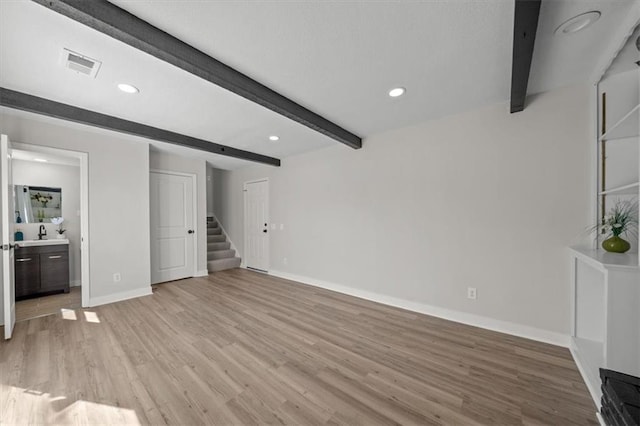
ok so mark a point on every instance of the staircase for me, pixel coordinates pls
(220, 255)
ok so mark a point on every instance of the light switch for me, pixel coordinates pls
(282, 226)
(273, 226)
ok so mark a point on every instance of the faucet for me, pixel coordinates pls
(42, 232)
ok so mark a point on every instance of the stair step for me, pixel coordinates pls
(220, 238)
(222, 264)
(214, 231)
(221, 254)
(213, 224)
(218, 246)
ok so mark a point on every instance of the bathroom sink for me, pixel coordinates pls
(31, 243)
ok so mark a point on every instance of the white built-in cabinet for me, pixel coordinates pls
(606, 319)
(606, 286)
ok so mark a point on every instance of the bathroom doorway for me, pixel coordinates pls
(51, 224)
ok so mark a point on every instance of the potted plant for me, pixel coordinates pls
(60, 231)
(621, 220)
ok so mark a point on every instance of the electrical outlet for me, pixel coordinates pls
(472, 293)
(116, 277)
(285, 261)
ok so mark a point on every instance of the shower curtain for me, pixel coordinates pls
(23, 204)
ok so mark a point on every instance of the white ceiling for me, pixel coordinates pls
(338, 58)
(560, 60)
(628, 55)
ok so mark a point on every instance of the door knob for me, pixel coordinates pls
(191, 231)
(264, 230)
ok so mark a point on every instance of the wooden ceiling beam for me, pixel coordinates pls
(115, 22)
(525, 25)
(22, 101)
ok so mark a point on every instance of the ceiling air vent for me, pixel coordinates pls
(79, 63)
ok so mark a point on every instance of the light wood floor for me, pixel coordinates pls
(47, 305)
(240, 347)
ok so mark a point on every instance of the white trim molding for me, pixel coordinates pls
(85, 260)
(500, 326)
(595, 393)
(203, 273)
(119, 297)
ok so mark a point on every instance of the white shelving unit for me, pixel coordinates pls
(627, 127)
(629, 189)
(606, 319)
(606, 286)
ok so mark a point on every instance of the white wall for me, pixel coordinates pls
(1, 269)
(217, 191)
(57, 176)
(118, 198)
(485, 199)
(175, 163)
(210, 200)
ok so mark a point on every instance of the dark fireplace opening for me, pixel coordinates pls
(620, 398)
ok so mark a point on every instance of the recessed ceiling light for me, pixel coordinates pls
(274, 138)
(398, 91)
(40, 160)
(578, 23)
(127, 88)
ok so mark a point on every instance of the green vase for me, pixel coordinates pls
(616, 244)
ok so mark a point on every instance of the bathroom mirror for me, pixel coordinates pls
(34, 204)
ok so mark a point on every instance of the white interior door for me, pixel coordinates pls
(8, 277)
(172, 227)
(257, 225)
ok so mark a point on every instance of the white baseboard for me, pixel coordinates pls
(204, 273)
(75, 283)
(118, 297)
(591, 382)
(507, 327)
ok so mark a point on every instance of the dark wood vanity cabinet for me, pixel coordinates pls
(41, 269)
(27, 272)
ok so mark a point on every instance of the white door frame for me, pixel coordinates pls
(7, 274)
(246, 225)
(85, 277)
(194, 220)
